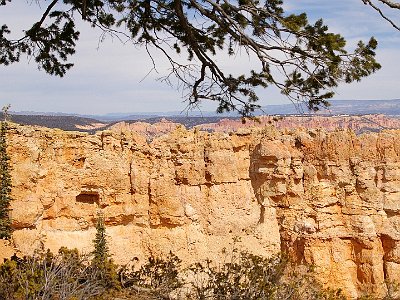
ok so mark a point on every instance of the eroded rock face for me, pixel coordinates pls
(330, 199)
(358, 124)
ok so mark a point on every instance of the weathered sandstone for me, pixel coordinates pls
(362, 123)
(330, 199)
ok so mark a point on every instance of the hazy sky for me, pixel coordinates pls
(111, 77)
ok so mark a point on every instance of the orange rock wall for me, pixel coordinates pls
(362, 123)
(330, 199)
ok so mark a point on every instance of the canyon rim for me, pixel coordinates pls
(331, 199)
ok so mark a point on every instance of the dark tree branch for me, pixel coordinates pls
(391, 4)
(46, 13)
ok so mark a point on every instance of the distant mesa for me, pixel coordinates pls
(358, 115)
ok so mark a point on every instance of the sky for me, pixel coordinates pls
(111, 77)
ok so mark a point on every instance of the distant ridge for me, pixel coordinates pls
(65, 122)
(340, 107)
(91, 123)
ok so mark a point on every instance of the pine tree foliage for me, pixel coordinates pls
(101, 252)
(5, 185)
(304, 60)
(102, 263)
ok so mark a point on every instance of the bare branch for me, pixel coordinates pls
(389, 3)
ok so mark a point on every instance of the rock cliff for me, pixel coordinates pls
(357, 123)
(330, 199)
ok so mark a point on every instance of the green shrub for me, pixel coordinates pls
(159, 277)
(249, 276)
(65, 276)
(242, 276)
(8, 279)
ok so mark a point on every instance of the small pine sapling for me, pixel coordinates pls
(102, 262)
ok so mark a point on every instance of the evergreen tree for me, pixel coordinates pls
(5, 182)
(105, 268)
(101, 252)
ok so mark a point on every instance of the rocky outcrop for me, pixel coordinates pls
(330, 199)
(148, 130)
(357, 123)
